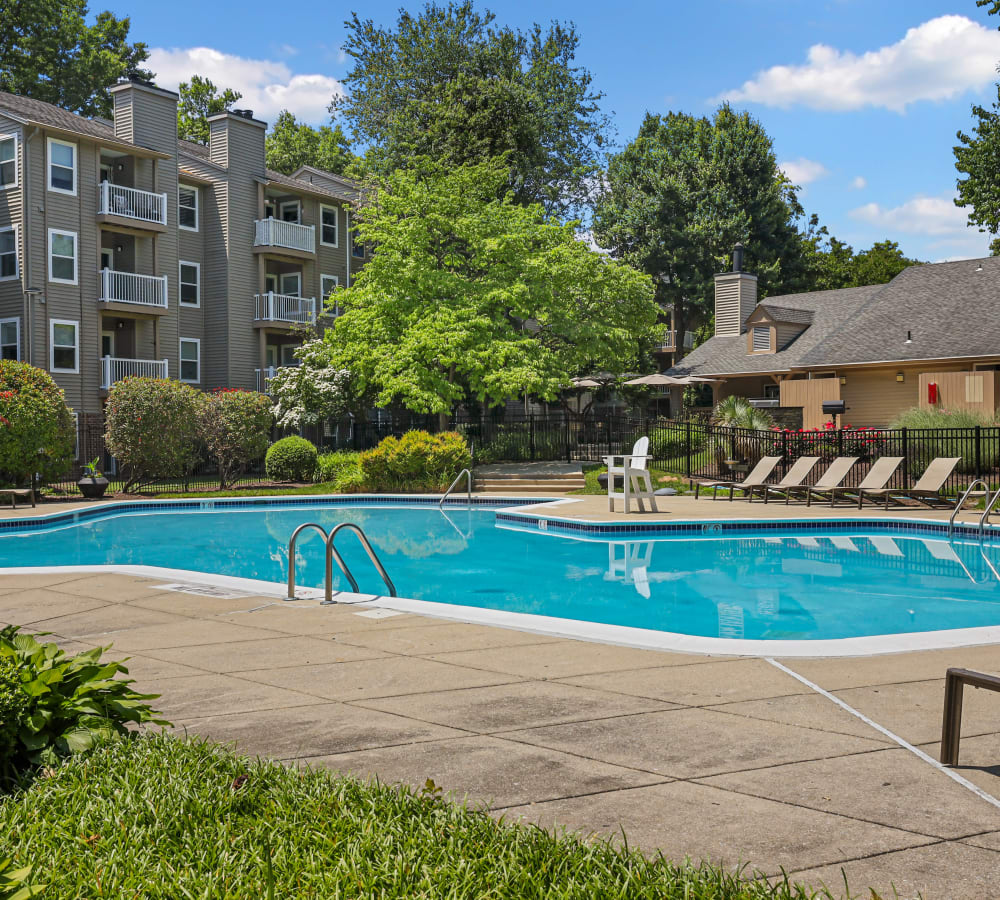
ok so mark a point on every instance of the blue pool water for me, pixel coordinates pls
(767, 585)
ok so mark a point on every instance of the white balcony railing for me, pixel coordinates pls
(130, 203)
(127, 287)
(273, 232)
(115, 369)
(667, 342)
(272, 307)
(264, 377)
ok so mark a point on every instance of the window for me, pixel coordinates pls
(62, 167)
(328, 284)
(10, 338)
(289, 211)
(357, 246)
(329, 231)
(62, 256)
(187, 207)
(64, 345)
(8, 253)
(291, 284)
(190, 281)
(761, 339)
(8, 161)
(190, 360)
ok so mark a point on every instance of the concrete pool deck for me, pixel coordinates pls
(733, 759)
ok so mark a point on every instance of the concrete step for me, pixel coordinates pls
(525, 488)
(528, 484)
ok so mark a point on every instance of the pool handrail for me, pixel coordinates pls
(291, 554)
(451, 487)
(984, 519)
(961, 502)
(332, 554)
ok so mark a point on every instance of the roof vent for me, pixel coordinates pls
(738, 258)
(243, 113)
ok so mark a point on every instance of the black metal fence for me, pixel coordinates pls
(691, 448)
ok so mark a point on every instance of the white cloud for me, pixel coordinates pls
(341, 55)
(268, 86)
(859, 183)
(803, 171)
(937, 60)
(918, 215)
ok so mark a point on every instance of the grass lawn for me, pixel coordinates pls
(661, 476)
(161, 817)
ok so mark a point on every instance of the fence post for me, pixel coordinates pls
(840, 442)
(531, 435)
(906, 459)
(784, 449)
(608, 424)
(568, 432)
(979, 453)
(687, 447)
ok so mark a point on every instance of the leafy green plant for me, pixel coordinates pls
(330, 466)
(417, 461)
(152, 428)
(73, 701)
(13, 883)
(234, 426)
(291, 459)
(36, 425)
(92, 469)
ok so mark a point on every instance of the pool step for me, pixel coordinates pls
(540, 484)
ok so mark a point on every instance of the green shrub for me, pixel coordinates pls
(940, 418)
(36, 425)
(235, 427)
(329, 466)
(72, 701)
(417, 461)
(151, 427)
(291, 459)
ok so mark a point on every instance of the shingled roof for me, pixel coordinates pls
(787, 313)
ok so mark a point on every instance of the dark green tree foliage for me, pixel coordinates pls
(683, 192)
(50, 53)
(291, 145)
(832, 264)
(200, 98)
(450, 85)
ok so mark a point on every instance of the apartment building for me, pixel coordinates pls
(126, 251)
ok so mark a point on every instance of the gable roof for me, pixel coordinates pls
(786, 314)
(47, 115)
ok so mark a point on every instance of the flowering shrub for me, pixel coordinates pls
(36, 425)
(312, 392)
(235, 427)
(417, 461)
(151, 428)
(291, 459)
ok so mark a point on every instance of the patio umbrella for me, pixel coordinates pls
(586, 383)
(654, 380)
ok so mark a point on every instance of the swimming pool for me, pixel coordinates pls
(816, 581)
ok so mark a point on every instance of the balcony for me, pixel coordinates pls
(131, 208)
(289, 238)
(114, 369)
(284, 309)
(667, 344)
(128, 292)
(264, 377)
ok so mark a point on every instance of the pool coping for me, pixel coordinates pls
(506, 508)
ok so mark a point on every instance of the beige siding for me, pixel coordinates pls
(11, 210)
(809, 393)
(875, 398)
(735, 299)
(786, 333)
(973, 391)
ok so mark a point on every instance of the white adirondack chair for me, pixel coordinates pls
(634, 472)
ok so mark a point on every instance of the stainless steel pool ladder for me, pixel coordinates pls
(331, 556)
(468, 487)
(961, 502)
(984, 519)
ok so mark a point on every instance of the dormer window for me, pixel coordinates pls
(761, 339)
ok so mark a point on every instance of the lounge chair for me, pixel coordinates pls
(25, 493)
(927, 488)
(831, 479)
(798, 473)
(877, 478)
(634, 472)
(748, 485)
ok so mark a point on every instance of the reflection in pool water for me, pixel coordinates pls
(769, 585)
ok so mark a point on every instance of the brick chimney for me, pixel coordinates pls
(735, 297)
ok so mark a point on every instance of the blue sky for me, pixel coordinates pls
(862, 97)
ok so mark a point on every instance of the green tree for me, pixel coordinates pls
(471, 296)
(290, 145)
(832, 264)
(200, 98)
(449, 84)
(50, 53)
(680, 195)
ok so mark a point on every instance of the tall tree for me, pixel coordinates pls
(471, 296)
(50, 53)
(291, 144)
(449, 84)
(832, 264)
(683, 192)
(200, 98)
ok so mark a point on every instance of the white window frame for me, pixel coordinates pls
(336, 224)
(76, 346)
(180, 283)
(76, 255)
(298, 284)
(16, 320)
(180, 359)
(48, 166)
(326, 295)
(197, 207)
(17, 167)
(17, 254)
(298, 211)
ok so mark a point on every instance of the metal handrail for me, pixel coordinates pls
(291, 555)
(332, 554)
(961, 502)
(451, 487)
(984, 519)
